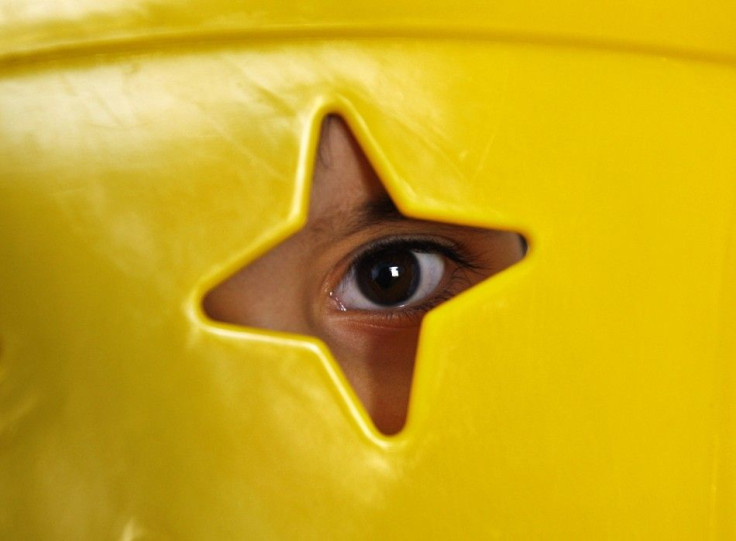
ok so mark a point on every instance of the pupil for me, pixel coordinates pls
(388, 277)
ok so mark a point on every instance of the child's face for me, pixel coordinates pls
(360, 276)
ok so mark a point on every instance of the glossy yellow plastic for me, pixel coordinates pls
(149, 148)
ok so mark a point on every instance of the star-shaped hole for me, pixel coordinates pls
(361, 276)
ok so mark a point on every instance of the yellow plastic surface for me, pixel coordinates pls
(150, 148)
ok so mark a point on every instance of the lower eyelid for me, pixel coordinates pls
(402, 318)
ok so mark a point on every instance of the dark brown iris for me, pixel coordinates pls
(388, 277)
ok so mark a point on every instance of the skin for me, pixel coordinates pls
(305, 284)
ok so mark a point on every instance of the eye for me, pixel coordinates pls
(393, 276)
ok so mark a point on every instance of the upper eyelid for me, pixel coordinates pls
(425, 244)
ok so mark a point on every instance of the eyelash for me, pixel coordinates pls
(456, 282)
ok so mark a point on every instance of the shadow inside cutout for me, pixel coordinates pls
(360, 276)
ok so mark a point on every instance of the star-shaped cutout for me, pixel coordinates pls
(360, 276)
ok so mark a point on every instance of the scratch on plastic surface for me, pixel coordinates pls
(274, 97)
(99, 111)
(13, 409)
(242, 148)
(238, 145)
(43, 10)
(134, 530)
(437, 149)
(493, 136)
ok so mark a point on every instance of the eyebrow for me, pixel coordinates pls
(379, 210)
